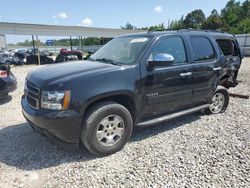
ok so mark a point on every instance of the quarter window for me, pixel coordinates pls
(201, 49)
(228, 47)
(173, 46)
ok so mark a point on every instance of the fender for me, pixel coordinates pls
(125, 93)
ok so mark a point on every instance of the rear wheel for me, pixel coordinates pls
(107, 127)
(220, 101)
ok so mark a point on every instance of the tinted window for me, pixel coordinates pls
(201, 49)
(173, 46)
(228, 47)
(123, 50)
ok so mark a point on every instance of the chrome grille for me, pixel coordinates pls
(32, 94)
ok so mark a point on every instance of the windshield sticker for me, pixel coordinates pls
(139, 40)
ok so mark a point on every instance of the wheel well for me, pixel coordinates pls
(124, 100)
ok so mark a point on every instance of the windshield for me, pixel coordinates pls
(121, 50)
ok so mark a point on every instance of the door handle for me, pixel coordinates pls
(217, 69)
(186, 74)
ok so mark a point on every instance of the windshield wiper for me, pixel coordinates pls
(107, 61)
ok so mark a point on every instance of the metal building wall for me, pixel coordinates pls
(244, 41)
(2, 41)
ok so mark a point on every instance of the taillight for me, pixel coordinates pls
(3, 74)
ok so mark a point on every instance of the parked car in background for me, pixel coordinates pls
(21, 53)
(68, 55)
(46, 52)
(9, 57)
(32, 57)
(5, 54)
(8, 81)
(13, 60)
(11, 51)
(134, 80)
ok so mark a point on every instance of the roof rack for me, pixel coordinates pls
(211, 31)
(188, 29)
(155, 30)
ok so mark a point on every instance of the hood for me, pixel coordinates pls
(66, 71)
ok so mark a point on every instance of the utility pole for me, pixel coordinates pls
(71, 44)
(80, 43)
(38, 53)
(33, 43)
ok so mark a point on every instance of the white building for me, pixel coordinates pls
(2, 41)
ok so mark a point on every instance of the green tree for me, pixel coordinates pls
(160, 27)
(245, 10)
(244, 26)
(215, 13)
(30, 43)
(92, 41)
(213, 22)
(128, 26)
(194, 19)
(231, 15)
(177, 24)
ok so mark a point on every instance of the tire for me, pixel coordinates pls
(103, 119)
(220, 101)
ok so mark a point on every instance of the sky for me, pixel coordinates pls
(100, 13)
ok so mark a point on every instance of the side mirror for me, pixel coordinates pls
(161, 60)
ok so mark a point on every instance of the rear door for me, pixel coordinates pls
(206, 68)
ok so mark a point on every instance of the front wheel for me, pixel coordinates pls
(220, 101)
(107, 127)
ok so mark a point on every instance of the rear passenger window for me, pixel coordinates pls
(227, 47)
(202, 49)
(173, 46)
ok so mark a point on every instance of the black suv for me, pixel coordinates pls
(134, 80)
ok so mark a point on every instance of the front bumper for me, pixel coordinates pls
(62, 127)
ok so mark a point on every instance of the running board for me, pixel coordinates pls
(172, 116)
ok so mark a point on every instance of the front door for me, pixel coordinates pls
(167, 89)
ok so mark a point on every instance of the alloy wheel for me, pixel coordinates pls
(218, 101)
(110, 130)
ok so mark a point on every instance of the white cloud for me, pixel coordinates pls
(158, 9)
(62, 15)
(87, 22)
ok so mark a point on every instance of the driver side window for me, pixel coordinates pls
(173, 46)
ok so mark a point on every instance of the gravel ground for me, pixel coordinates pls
(192, 151)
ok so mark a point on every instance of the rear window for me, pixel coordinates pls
(227, 47)
(202, 49)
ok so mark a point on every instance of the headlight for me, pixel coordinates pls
(55, 100)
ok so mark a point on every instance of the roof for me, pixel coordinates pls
(58, 30)
(184, 32)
